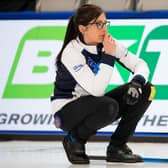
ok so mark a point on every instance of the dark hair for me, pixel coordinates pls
(83, 16)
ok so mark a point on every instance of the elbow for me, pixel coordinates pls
(145, 70)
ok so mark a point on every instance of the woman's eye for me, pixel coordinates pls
(99, 24)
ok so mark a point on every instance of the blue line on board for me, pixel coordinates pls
(151, 160)
(28, 15)
(32, 132)
(156, 160)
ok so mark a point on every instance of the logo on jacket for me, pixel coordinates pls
(93, 65)
(76, 68)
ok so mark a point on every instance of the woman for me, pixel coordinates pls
(84, 69)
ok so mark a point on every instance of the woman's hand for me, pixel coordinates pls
(109, 45)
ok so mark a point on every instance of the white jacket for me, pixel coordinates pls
(81, 73)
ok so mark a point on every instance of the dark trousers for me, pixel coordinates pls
(84, 116)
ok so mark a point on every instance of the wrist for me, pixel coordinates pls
(139, 79)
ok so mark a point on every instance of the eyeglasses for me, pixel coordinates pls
(100, 24)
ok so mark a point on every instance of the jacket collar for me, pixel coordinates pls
(90, 48)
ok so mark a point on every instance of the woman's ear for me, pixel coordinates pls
(82, 28)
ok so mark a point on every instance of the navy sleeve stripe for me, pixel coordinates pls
(108, 59)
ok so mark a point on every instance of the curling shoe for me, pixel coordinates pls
(75, 150)
(122, 154)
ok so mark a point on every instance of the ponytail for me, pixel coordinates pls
(83, 16)
(71, 33)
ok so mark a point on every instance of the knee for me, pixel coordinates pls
(149, 91)
(111, 111)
